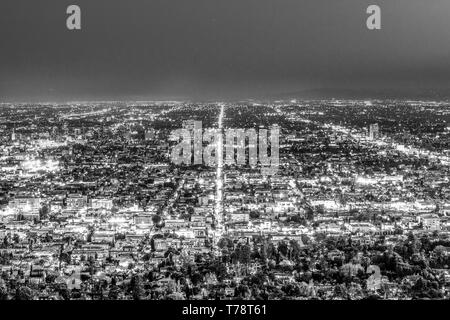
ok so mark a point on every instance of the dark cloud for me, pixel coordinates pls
(218, 48)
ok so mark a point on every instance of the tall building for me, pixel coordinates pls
(189, 124)
(374, 131)
(195, 127)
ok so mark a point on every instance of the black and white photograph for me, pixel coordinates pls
(224, 153)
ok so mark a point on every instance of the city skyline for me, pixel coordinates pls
(226, 150)
(94, 205)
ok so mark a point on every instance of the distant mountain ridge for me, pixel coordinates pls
(337, 93)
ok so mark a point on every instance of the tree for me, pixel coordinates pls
(50, 278)
(305, 239)
(64, 257)
(137, 287)
(295, 249)
(5, 242)
(254, 214)
(258, 279)
(242, 291)
(242, 254)
(309, 213)
(43, 212)
(220, 270)
(24, 293)
(412, 244)
(113, 292)
(245, 254)
(225, 243)
(291, 289)
(65, 293)
(271, 251)
(156, 219)
(3, 290)
(196, 278)
(340, 291)
(283, 248)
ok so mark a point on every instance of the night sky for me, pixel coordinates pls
(219, 49)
